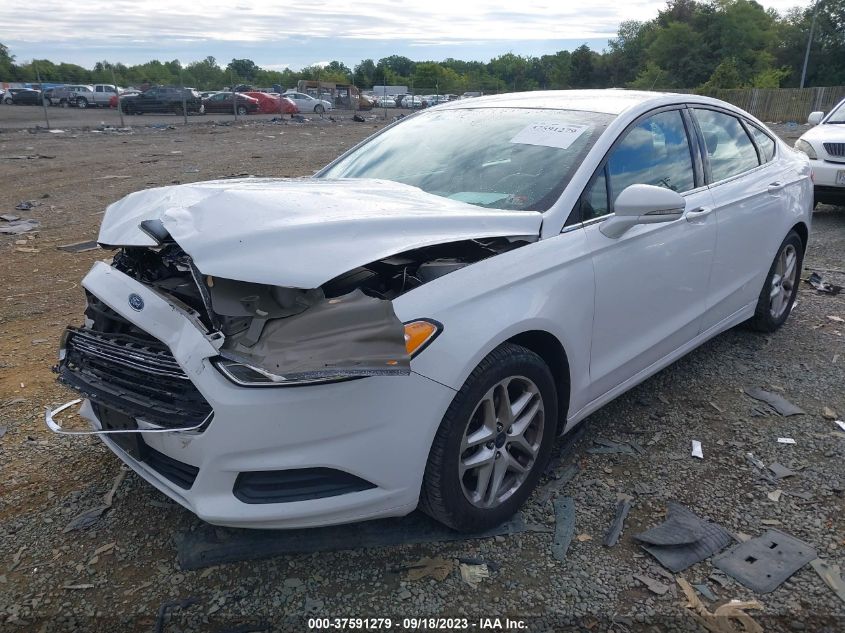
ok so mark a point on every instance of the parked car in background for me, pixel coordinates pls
(73, 95)
(271, 103)
(307, 103)
(129, 92)
(387, 101)
(471, 95)
(9, 93)
(27, 96)
(103, 94)
(162, 99)
(222, 103)
(275, 353)
(205, 94)
(412, 102)
(824, 144)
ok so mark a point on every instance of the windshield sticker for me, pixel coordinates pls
(560, 135)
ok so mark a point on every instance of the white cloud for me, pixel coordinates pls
(267, 21)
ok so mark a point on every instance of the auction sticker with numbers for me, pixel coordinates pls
(560, 135)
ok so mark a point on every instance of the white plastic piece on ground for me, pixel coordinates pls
(696, 449)
(786, 440)
(840, 424)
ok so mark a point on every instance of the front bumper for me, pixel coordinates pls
(377, 429)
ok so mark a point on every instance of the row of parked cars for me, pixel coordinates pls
(168, 99)
(417, 101)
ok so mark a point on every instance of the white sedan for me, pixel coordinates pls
(307, 103)
(415, 328)
(824, 144)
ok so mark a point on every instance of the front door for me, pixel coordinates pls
(651, 283)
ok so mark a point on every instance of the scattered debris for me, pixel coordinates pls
(167, 606)
(722, 619)
(8, 217)
(836, 319)
(831, 576)
(79, 247)
(438, 568)
(764, 563)
(209, 545)
(609, 447)
(581, 538)
(548, 491)
(83, 586)
(16, 559)
(564, 526)
(840, 424)
(754, 461)
(829, 414)
(653, 585)
(696, 449)
(644, 489)
(721, 579)
(786, 440)
(85, 519)
(683, 539)
(3, 430)
(474, 574)
(358, 118)
(778, 403)
(822, 286)
(774, 495)
(26, 205)
(780, 471)
(16, 227)
(704, 590)
(623, 506)
(770, 522)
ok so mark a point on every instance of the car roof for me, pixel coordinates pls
(608, 101)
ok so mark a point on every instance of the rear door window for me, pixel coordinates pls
(764, 142)
(729, 149)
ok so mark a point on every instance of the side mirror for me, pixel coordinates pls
(643, 204)
(815, 118)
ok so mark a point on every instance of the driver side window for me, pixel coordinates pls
(656, 151)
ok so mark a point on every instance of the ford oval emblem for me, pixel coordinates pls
(136, 302)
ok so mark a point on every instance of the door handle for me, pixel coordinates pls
(698, 212)
(776, 186)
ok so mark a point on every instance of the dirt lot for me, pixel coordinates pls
(58, 581)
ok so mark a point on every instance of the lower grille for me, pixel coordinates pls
(137, 377)
(835, 149)
(180, 473)
(302, 484)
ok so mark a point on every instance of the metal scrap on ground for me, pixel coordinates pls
(209, 545)
(823, 286)
(780, 404)
(764, 563)
(548, 490)
(623, 506)
(16, 227)
(683, 539)
(564, 526)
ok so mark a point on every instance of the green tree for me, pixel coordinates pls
(244, 69)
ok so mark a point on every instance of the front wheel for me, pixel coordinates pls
(242, 110)
(781, 287)
(493, 443)
(81, 102)
(8, 101)
(319, 109)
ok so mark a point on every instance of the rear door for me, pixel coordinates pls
(747, 182)
(651, 282)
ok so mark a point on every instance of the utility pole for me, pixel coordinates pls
(809, 42)
(41, 85)
(117, 92)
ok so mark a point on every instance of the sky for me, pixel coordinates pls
(277, 34)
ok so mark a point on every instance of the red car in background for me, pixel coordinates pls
(273, 103)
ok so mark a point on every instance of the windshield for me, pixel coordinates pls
(838, 114)
(498, 158)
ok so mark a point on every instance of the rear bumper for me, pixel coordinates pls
(377, 429)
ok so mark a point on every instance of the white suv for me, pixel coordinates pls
(825, 145)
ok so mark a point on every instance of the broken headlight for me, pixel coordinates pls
(418, 335)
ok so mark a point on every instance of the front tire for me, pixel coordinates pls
(319, 109)
(242, 111)
(493, 443)
(781, 287)
(81, 102)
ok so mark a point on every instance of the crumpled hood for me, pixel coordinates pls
(302, 233)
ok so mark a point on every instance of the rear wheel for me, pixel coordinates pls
(493, 442)
(242, 110)
(319, 109)
(781, 286)
(8, 101)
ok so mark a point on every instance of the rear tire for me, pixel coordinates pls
(781, 286)
(479, 442)
(242, 111)
(319, 109)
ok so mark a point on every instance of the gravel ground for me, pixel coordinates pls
(55, 581)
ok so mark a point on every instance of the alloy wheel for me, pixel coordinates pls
(501, 442)
(783, 281)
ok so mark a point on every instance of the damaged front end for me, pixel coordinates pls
(266, 336)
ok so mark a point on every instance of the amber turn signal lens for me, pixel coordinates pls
(417, 334)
